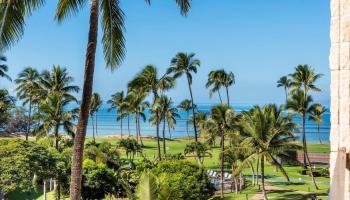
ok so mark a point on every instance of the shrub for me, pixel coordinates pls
(185, 179)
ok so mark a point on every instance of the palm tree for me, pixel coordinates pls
(113, 46)
(228, 80)
(4, 68)
(27, 87)
(301, 105)
(137, 105)
(96, 104)
(284, 82)
(149, 81)
(214, 81)
(316, 114)
(304, 78)
(222, 116)
(167, 110)
(186, 64)
(269, 135)
(186, 105)
(116, 102)
(131, 147)
(199, 150)
(150, 188)
(171, 117)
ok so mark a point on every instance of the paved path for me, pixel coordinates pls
(260, 196)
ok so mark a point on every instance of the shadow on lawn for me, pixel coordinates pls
(291, 194)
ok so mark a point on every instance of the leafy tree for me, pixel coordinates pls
(199, 150)
(185, 64)
(27, 90)
(7, 102)
(96, 104)
(148, 80)
(21, 161)
(185, 179)
(284, 82)
(98, 180)
(103, 153)
(4, 68)
(17, 122)
(316, 114)
(270, 135)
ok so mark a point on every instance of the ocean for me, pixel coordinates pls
(108, 125)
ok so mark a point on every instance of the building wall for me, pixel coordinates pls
(340, 98)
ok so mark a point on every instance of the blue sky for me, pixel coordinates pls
(258, 40)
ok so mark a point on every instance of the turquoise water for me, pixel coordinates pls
(107, 124)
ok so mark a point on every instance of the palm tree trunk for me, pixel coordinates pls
(263, 178)
(121, 127)
(164, 148)
(188, 118)
(169, 131)
(193, 113)
(228, 96)
(136, 129)
(253, 173)
(129, 125)
(158, 142)
(93, 128)
(286, 93)
(220, 96)
(29, 118)
(139, 128)
(318, 131)
(96, 123)
(257, 172)
(222, 164)
(304, 140)
(78, 148)
(57, 148)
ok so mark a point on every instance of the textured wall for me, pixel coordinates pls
(340, 97)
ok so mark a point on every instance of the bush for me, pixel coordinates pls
(318, 172)
(185, 180)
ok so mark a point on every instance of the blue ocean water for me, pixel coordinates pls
(108, 125)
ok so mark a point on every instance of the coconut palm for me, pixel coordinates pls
(171, 118)
(304, 78)
(215, 82)
(96, 104)
(131, 147)
(186, 105)
(135, 100)
(228, 80)
(4, 68)
(116, 102)
(222, 116)
(269, 136)
(316, 114)
(302, 106)
(113, 48)
(56, 81)
(148, 80)
(284, 82)
(186, 64)
(199, 150)
(27, 89)
(167, 110)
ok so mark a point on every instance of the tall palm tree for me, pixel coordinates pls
(171, 118)
(96, 104)
(116, 102)
(27, 89)
(228, 80)
(304, 78)
(214, 81)
(199, 150)
(167, 110)
(4, 68)
(284, 82)
(316, 114)
(186, 64)
(186, 105)
(148, 80)
(269, 135)
(113, 43)
(137, 104)
(222, 116)
(301, 105)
